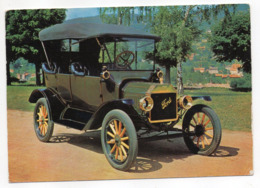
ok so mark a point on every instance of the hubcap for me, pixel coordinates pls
(118, 140)
(199, 130)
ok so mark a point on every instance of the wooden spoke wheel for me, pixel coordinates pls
(43, 124)
(125, 59)
(201, 130)
(119, 140)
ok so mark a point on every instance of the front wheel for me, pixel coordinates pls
(43, 124)
(119, 140)
(201, 130)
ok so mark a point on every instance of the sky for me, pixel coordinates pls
(81, 12)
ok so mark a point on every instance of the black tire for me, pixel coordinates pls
(201, 130)
(119, 140)
(43, 124)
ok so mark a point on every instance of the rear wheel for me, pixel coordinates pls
(119, 140)
(201, 130)
(43, 125)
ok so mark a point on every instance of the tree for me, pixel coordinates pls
(230, 39)
(171, 23)
(126, 15)
(179, 28)
(22, 28)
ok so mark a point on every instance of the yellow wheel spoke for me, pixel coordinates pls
(116, 152)
(125, 145)
(206, 123)
(42, 111)
(198, 142)
(207, 141)
(110, 134)
(120, 127)
(123, 132)
(115, 123)
(39, 114)
(40, 128)
(113, 149)
(198, 116)
(43, 129)
(39, 120)
(112, 141)
(210, 128)
(202, 141)
(203, 118)
(124, 138)
(123, 149)
(46, 119)
(194, 120)
(121, 154)
(112, 128)
(192, 125)
(209, 135)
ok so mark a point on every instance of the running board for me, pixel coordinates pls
(162, 137)
(72, 124)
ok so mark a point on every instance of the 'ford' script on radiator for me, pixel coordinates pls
(166, 102)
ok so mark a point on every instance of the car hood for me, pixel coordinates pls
(137, 90)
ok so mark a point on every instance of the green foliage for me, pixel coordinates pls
(126, 15)
(231, 39)
(21, 65)
(22, 29)
(242, 83)
(176, 37)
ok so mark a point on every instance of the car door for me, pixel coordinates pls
(86, 92)
(63, 86)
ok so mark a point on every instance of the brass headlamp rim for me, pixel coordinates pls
(150, 104)
(159, 74)
(188, 104)
(105, 75)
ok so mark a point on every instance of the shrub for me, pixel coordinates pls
(242, 83)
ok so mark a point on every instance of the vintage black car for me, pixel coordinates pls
(104, 76)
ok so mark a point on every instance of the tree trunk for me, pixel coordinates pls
(179, 79)
(37, 74)
(8, 76)
(168, 74)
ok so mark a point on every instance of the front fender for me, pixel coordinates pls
(122, 104)
(205, 98)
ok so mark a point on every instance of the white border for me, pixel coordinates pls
(242, 181)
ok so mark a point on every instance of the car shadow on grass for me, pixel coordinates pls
(150, 154)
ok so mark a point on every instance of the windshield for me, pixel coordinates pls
(128, 54)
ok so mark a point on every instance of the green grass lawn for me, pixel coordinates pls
(233, 108)
(17, 97)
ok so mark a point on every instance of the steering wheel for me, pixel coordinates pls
(125, 59)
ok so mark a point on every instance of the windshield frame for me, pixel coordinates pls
(115, 40)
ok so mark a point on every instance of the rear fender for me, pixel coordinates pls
(55, 103)
(123, 104)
